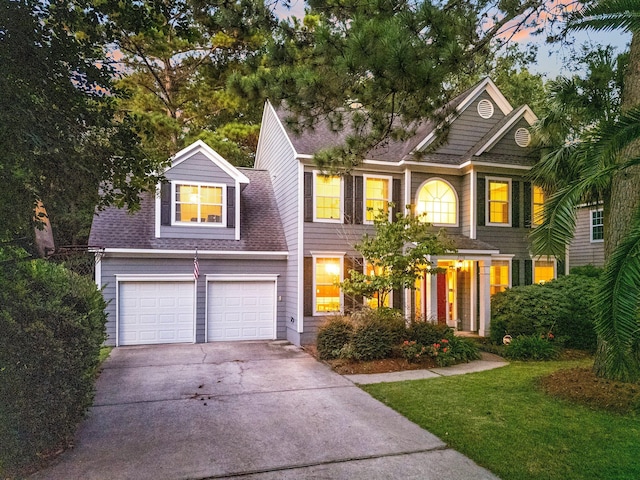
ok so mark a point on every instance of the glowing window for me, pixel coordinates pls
(543, 271)
(328, 275)
(538, 205)
(437, 203)
(328, 190)
(376, 197)
(198, 204)
(498, 200)
(499, 276)
(373, 301)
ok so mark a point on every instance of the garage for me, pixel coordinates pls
(155, 312)
(241, 309)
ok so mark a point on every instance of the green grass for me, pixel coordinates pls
(503, 422)
(104, 353)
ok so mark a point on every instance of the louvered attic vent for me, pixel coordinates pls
(485, 108)
(523, 137)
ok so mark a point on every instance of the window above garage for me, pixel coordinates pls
(198, 204)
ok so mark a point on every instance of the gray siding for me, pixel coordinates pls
(112, 266)
(276, 155)
(507, 144)
(464, 196)
(582, 250)
(469, 128)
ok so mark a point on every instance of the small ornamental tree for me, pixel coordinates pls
(399, 253)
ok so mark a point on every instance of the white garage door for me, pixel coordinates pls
(155, 312)
(242, 310)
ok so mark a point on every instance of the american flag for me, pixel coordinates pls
(196, 268)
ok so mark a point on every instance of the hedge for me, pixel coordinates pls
(53, 324)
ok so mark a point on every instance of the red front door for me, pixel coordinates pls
(442, 298)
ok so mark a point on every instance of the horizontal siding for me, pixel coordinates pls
(469, 128)
(198, 168)
(582, 250)
(170, 266)
(277, 157)
(507, 144)
(507, 239)
(464, 194)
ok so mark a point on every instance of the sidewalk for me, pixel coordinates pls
(487, 361)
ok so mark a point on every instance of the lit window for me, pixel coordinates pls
(498, 199)
(328, 190)
(198, 204)
(543, 271)
(538, 205)
(373, 301)
(499, 276)
(437, 203)
(597, 225)
(376, 197)
(328, 275)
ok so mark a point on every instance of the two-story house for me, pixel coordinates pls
(281, 237)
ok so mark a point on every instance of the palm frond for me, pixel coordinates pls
(607, 15)
(617, 304)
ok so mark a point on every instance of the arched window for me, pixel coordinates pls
(438, 202)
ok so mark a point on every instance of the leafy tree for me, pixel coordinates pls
(607, 161)
(399, 253)
(176, 57)
(60, 137)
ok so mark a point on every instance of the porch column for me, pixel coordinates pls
(485, 298)
(432, 298)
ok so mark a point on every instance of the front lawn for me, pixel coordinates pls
(505, 422)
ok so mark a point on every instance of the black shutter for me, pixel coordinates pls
(560, 266)
(395, 198)
(515, 204)
(397, 299)
(348, 199)
(165, 203)
(527, 204)
(231, 207)
(528, 272)
(515, 273)
(307, 300)
(308, 196)
(481, 195)
(358, 194)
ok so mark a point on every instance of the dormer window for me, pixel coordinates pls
(199, 203)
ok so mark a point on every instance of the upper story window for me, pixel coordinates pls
(498, 194)
(538, 205)
(597, 226)
(377, 191)
(327, 277)
(544, 271)
(437, 202)
(328, 197)
(197, 203)
(499, 276)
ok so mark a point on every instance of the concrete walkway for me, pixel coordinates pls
(487, 361)
(260, 410)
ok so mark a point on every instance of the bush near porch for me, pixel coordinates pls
(378, 334)
(560, 311)
(53, 325)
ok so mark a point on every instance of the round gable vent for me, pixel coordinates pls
(523, 137)
(485, 108)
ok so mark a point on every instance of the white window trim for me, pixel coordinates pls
(336, 255)
(533, 205)
(591, 212)
(317, 173)
(455, 193)
(488, 180)
(364, 196)
(366, 263)
(541, 259)
(174, 222)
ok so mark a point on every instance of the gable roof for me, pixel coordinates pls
(502, 127)
(260, 225)
(424, 132)
(200, 147)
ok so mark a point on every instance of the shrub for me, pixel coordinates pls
(373, 337)
(333, 335)
(412, 351)
(53, 324)
(427, 333)
(532, 347)
(563, 307)
(463, 349)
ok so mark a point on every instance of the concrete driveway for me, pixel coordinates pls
(260, 410)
